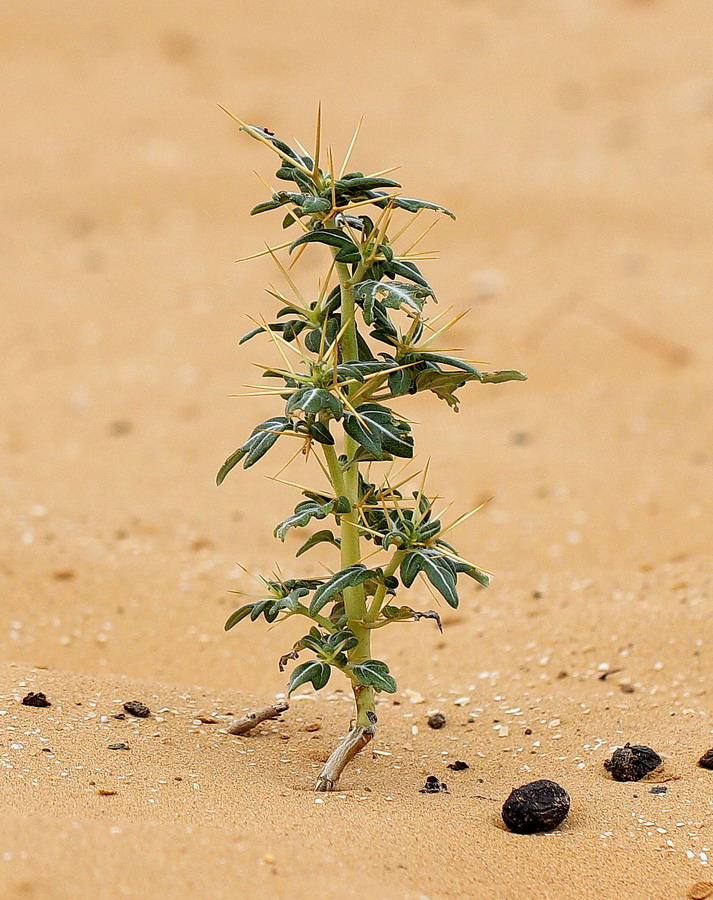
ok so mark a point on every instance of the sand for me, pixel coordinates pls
(575, 143)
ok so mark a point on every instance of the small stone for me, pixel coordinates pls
(706, 761)
(119, 747)
(632, 762)
(313, 726)
(701, 890)
(458, 765)
(627, 688)
(437, 720)
(207, 720)
(119, 716)
(104, 793)
(38, 699)
(434, 785)
(659, 789)
(538, 806)
(138, 709)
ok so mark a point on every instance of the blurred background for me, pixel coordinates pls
(573, 139)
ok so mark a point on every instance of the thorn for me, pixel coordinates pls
(349, 149)
(264, 252)
(256, 134)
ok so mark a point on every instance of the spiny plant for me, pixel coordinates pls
(355, 345)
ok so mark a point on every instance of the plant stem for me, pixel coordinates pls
(378, 599)
(346, 483)
(354, 597)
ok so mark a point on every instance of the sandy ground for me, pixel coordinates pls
(575, 142)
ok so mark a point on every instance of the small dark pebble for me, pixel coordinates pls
(38, 699)
(119, 716)
(627, 688)
(458, 765)
(632, 762)
(437, 720)
(538, 806)
(138, 709)
(659, 789)
(119, 747)
(434, 785)
(706, 761)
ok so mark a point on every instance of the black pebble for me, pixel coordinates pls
(538, 806)
(434, 786)
(458, 765)
(659, 789)
(632, 762)
(138, 709)
(437, 720)
(706, 761)
(37, 699)
(118, 747)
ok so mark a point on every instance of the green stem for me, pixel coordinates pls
(378, 599)
(321, 620)
(354, 597)
(335, 471)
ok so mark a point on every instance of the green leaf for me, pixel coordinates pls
(308, 510)
(324, 236)
(368, 183)
(442, 360)
(320, 433)
(313, 340)
(315, 205)
(341, 640)
(256, 446)
(267, 205)
(443, 384)
(392, 294)
(465, 568)
(281, 145)
(312, 641)
(408, 270)
(289, 329)
(406, 614)
(292, 601)
(270, 607)
(362, 433)
(314, 400)
(238, 616)
(338, 583)
(262, 606)
(315, 671)
(503, 375)
(436, 568)
(411, 205)
(375, 673)
(378, 430)
(319, 537)
(346, 371)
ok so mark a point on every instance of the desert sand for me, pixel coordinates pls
(574, 140)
